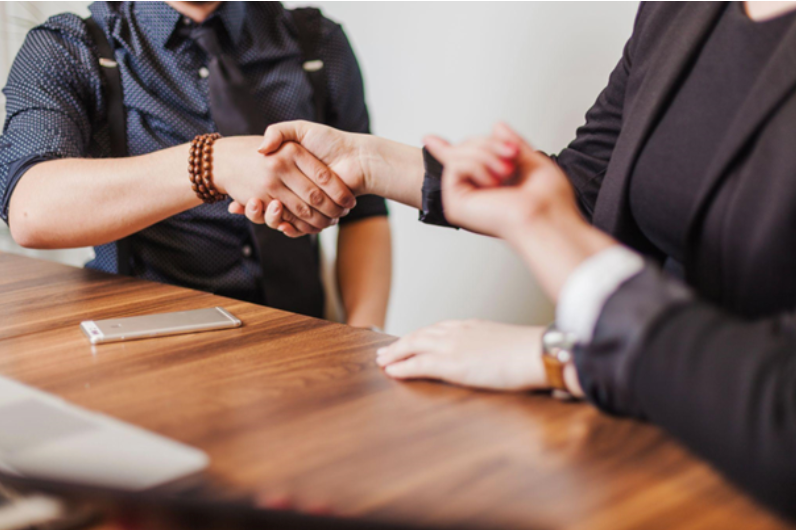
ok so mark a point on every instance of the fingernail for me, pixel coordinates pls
(512, 150)
(335, 221)
(346, 212)
(280, 229)
(277, 208)
(351, 202)
(381, 351)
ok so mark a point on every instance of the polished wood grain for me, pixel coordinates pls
(288, 405)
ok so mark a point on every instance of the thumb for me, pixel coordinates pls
(279, 133)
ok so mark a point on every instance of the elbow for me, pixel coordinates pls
(24, 231)
(24, 236)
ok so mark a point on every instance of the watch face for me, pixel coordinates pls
(563, 356)
(555, 340)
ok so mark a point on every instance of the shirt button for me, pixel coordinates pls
(204, 72)
(247, 251)
(186, 21)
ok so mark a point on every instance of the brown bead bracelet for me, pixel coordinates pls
(200, 168)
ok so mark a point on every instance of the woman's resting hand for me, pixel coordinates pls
(473, 353)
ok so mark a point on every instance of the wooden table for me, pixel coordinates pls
(293, 405)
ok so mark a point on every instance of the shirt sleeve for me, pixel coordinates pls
(588, 288)
(50, 89)
(349, 112)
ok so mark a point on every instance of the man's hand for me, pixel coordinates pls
(312, 196)
(499, 184)
(338, 150)
(472, 353)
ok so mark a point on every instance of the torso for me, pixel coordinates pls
(166, 99)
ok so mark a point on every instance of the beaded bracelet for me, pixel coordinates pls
(200, 168)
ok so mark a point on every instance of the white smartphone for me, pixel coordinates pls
(159, 325)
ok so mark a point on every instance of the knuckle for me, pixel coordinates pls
(316, 197)
(344, 198)
(270, 186)
(289, 148)
(323, 176)
(303, 211)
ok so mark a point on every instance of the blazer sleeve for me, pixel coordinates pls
(723, 386)
(585, 160)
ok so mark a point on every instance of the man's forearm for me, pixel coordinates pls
(77, 202)
(364, 270)
(83, 202)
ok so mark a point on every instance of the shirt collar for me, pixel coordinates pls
(232, 15)
(161, 21)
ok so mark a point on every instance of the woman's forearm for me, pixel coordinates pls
(392, 170)
(84, 202)
(364, 270)
(554, 246)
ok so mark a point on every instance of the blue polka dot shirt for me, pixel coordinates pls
(56, 108)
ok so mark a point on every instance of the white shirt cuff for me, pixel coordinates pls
(591, 285)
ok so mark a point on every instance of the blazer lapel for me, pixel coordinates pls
(776, 82)
(683, 40)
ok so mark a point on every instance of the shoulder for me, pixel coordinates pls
(66, 30)
(328, 32)
(61, 44)
(655, 17)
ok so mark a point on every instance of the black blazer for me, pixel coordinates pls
(714, 364)
(712, 359)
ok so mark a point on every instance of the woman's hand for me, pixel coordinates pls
(500, 184)
(339, 151)
(368, 165)
(312, 195)
(472, 353)
(534, 210)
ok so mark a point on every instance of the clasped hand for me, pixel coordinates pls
(319, 166)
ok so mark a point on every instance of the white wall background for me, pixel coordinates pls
(454, 68)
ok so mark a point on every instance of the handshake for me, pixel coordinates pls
(493, 185)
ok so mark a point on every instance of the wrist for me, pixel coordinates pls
(221, 164)
(391, 169)
(228, 153)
